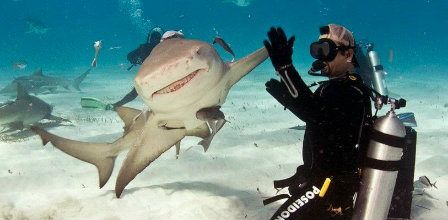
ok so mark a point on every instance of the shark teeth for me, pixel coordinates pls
(178, 84)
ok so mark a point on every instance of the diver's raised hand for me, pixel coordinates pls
(279, 48)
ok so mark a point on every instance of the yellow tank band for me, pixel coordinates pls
(324, 188)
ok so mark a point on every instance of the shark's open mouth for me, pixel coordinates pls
(178, 84)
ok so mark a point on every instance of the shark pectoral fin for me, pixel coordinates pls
(97, 154)
(128, 115)
(153, 143)
(246, 64)
(201, 131)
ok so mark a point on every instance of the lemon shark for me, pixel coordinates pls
(184, 83)
(39, 83)
(25, 111)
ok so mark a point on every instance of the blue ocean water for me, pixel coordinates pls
(413, 30)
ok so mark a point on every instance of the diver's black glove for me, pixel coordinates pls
(279, 49)
(279, 91)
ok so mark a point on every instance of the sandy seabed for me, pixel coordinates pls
(229, 181)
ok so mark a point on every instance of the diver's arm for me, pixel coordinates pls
(129, 97)
(294, 83)
(292, 92)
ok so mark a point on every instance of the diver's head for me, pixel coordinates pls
(155, 35)
(334, 51)
(172, 34)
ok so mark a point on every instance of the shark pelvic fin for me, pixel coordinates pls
(129, 117)
(97, 154)
(149, 147)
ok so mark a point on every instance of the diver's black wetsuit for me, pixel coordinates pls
(335, 115)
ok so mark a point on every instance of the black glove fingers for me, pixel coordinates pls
(276, 40)
(291, 41)
(268, 46)
(281, 35)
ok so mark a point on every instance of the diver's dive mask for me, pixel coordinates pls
(326, 49)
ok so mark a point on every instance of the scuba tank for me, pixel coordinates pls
(388, 169)
(370, 67)
(379, 83)
(381, 164)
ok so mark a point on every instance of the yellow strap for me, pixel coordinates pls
(324, 188)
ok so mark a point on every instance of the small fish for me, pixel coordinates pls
(224, 45)
(97, 46)
(114, 48)
(19, 64)
(426, 182)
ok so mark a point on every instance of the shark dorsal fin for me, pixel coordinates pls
(128, 115)
(38, 72)
(21, 92)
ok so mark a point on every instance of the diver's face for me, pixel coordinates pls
(340, 65)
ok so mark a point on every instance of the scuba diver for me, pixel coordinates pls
(135, 57)
(337, 115)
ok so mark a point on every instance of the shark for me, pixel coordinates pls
(240, 3)
(35, 26)
(37, 82)
(184, 83)
(25, 111)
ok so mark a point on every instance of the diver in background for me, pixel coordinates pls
(136, 57)
(336, 116)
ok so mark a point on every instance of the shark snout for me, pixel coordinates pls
(170, 77)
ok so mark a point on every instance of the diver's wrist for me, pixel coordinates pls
(280, 68)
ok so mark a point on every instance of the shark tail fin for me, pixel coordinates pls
(97, 154)
(79, 79)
